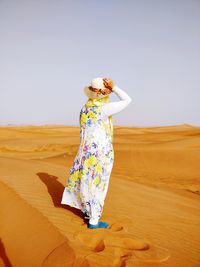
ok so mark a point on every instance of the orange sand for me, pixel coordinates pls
(152, 204)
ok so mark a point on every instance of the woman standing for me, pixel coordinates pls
(90, 173)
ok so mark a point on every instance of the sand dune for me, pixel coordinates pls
(152, 204)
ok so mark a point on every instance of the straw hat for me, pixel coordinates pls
(99, 88)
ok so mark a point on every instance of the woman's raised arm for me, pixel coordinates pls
(117, 106)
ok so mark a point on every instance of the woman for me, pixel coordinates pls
(89, 176)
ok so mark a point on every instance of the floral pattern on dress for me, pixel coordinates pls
(90, 173)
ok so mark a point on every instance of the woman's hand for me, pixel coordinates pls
(107, 91)
(108, 84)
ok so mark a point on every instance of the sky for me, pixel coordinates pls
(51, 49)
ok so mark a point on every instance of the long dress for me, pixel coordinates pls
(91, 170)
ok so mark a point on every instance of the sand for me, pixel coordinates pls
(152, 204)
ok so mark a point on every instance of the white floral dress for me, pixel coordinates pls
(90, 173)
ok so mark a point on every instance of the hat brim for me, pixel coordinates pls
(91, 94)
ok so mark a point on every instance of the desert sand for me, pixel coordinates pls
(152, 204)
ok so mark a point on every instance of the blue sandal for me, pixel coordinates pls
(98, 225)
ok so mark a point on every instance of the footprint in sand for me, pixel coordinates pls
(125, 242)
(98, 239)
(127, 250)
(107, 250)
(92, 239)
(116, 227)
(155, 254)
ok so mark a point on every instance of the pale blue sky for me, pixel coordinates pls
(49, 50)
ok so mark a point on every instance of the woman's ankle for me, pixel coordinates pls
(93, 221)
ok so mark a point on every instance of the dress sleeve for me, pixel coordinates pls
(117, 106)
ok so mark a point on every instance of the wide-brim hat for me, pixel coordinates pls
(99, 88)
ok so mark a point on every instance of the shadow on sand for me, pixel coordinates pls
(3, 255)
(55, 189)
